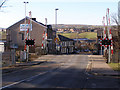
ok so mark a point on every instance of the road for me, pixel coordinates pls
(60, 71)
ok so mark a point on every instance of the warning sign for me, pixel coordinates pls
(56, 40)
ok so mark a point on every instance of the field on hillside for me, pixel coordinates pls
(89, 35)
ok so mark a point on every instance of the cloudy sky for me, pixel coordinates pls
(88, 12)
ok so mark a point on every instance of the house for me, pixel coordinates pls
(83, 43)
(16, 38)
(51, 40)
(66, 45)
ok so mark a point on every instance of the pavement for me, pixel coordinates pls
(98, 66)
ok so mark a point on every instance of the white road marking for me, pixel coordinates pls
(28, 79)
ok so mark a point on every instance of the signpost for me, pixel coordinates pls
(24, 27)
(56, 40)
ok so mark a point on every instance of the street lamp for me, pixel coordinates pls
(56, 19)
(26, 55)
(25, 16)
(56, 26)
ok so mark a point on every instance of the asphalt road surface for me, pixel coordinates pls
(60, 71)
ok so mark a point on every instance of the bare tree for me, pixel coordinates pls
(114, 18)
(2, 3)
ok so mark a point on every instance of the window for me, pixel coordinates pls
(65, 43)
(71, 49)
(70, 43)
(22, 36)
(61, 43)
(63, 50)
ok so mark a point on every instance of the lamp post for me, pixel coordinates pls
(25, 16)
(56, 26)
(25, 53)
(56, 19)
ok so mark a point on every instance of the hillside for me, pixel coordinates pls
(89, 35)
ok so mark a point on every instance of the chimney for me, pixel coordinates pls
(34, 19)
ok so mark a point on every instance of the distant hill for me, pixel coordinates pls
(76, 26)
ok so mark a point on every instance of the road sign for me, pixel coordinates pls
(106, 42)
(56, 40)
(24, 27)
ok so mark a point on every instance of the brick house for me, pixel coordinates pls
(15, 37)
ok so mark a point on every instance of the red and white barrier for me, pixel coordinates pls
(104, 31)
(110, 35)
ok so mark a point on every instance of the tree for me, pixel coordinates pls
(114, 18)
(116, 40)
(2, 2)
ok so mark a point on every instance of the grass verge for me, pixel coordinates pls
(115, 66)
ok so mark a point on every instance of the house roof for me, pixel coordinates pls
(63, 38)
(27, 18)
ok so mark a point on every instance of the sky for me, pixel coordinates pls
(89, 12)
